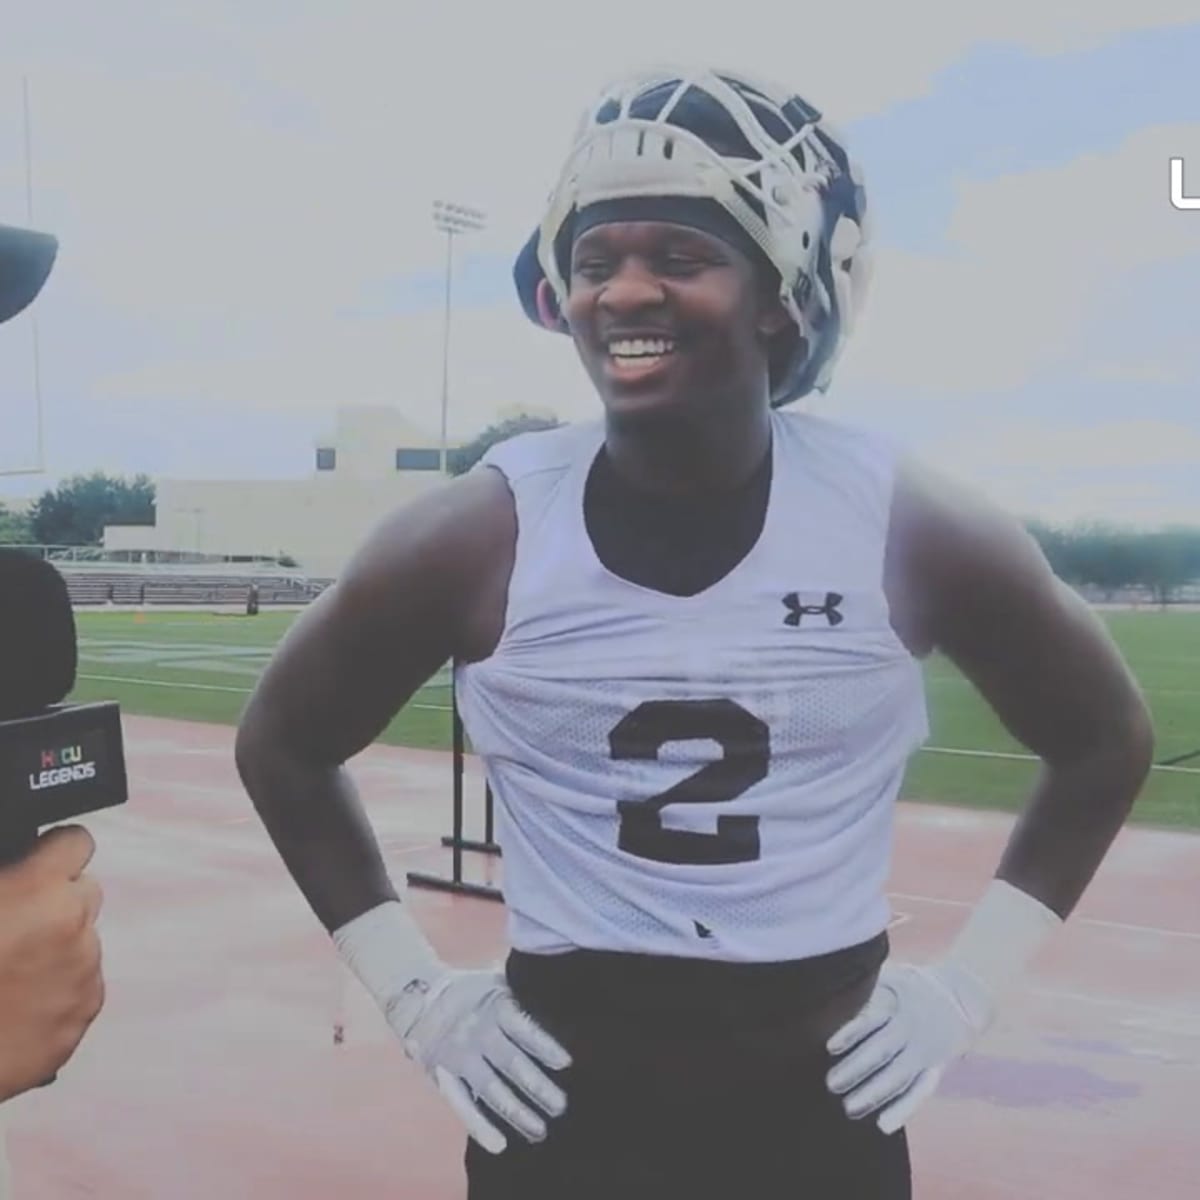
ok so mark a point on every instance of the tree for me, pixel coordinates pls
(461, 459)
(1056, 546)
(1108, 556)
(1111, 557)
(16, 528)
(1169, 559)
(75, 513)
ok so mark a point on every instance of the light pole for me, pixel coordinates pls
(40, 465)
(451, 219)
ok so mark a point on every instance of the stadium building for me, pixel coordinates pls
(372, 460)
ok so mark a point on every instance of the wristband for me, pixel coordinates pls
(386, 951)
(1003, 934)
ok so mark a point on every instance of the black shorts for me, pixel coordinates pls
(688, 1081)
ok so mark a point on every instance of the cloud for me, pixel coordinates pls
(235, 187)
(284, 164)
(496, 359)
(1154, 372)
(247, 207)
(1117, 445)
(1032, 261)
(1138, 470)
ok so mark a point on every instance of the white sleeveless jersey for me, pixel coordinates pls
(710, 776)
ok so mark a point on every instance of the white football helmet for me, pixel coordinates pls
(766, 156)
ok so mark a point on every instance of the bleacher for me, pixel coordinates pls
(148, 586)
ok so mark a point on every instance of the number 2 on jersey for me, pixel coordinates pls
(746, 745)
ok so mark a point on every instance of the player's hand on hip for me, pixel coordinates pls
(486, 1056)
(463, 1027)
(916, 1022)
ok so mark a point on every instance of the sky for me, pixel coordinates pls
(243, 192)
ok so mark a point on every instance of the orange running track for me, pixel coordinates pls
(212, 1073)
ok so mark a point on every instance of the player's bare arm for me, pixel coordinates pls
(420, 590)
(426, 586)
(973, 584)
(1049, 669)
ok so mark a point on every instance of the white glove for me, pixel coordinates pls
(462, 1027)
(918, 1020)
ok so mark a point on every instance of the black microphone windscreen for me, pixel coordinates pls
(38, 653)
(26, 259)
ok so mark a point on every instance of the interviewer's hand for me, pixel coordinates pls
(51, 987)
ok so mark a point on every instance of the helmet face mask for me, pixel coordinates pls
(764, 156)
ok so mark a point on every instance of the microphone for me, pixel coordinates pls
(57, 760)
(26, 258)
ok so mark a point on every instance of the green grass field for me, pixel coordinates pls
(201, 666)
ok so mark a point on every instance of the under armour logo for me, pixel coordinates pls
(828, 610)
